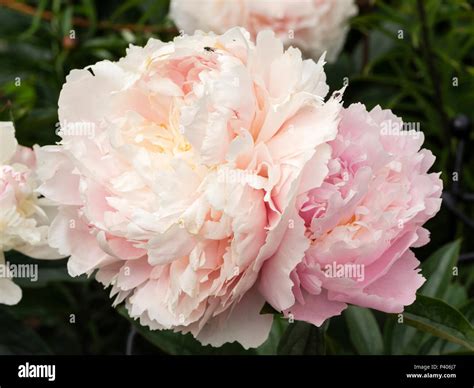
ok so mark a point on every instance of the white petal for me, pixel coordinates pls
(8, 142)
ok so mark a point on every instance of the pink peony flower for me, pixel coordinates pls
(178, 172)
(315, 26)
(24, 217)
(362, 221)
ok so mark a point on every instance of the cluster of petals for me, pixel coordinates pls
(216, 175)
(364, 218)
(24, 217)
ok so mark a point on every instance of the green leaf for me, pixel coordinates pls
(437, 269)
(338, 340)
(35, 24)
(388, 334)
(18, 339)
(449, 347)
(124, 7)
(270, 346)
(89, 10)
(182, 344)
(66, 20)
(402, 339)
(364, 330)
(440, 319)
(302, 338)
(468, 311)
(455, 295)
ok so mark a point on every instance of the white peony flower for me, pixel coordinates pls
(24, 217)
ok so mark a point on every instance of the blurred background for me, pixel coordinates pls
(425, 75)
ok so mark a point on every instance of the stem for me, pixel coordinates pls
(365, 51)
(130, 340)
(466, 257)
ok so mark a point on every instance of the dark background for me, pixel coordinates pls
(427, 78)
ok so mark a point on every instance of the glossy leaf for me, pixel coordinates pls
(438, 269)
(364, 330)
(440, 319)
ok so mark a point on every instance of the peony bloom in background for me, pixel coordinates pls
(363, 220)
(315, 26)
(24, 217)
(178, 173)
